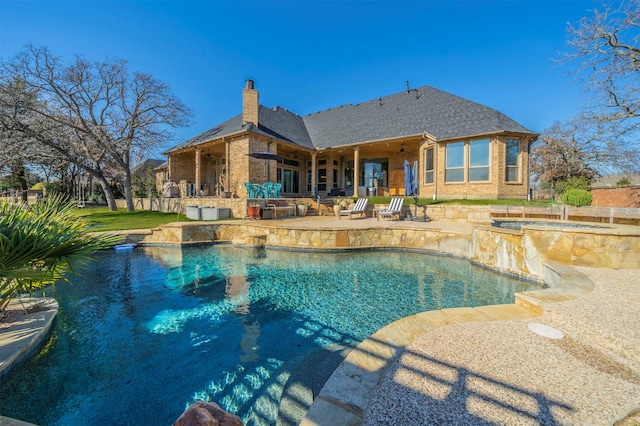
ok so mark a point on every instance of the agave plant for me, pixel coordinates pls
(39, 244)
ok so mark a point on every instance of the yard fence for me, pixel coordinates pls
(622, 215)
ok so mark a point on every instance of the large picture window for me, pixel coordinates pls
(479, 160)
(454, 171)
(428, 165)
(512, 160)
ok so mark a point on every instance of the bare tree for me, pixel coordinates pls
(564, 151)
(606, 55)
(97, 114)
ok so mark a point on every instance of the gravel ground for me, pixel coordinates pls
(501, 372)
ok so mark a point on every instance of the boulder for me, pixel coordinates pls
(202, 413)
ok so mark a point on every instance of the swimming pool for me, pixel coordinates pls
(144, 333)
(518, 224)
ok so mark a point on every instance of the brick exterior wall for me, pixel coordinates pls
(241, 168)
(250, 104)
(496, 188)
(616, 197)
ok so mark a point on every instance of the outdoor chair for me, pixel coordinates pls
(276, 190)
(251, 193)
(359, 208)
(267, 189)
(257, 190)
(394, 209)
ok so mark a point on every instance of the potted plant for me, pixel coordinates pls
(253, 210)
(302, 206)
(224, 189)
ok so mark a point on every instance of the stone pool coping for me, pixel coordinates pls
(26, 334)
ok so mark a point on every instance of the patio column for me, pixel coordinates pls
(198, 151)
(356, 170)
(227, 172)
(314, 157)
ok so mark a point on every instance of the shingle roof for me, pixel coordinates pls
(425, 109)
(611, 181)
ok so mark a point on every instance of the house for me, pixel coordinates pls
(462, 149)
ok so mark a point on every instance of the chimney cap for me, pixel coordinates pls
(249, 83)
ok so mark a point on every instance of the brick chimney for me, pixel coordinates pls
(249, 104)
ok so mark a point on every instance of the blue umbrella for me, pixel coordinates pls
(409, 189)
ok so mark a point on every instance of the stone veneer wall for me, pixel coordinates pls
(455, 213)
(526, 253)
(446, 242)
(520, 253)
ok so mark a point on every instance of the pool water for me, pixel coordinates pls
(144, 333)
(517, 225)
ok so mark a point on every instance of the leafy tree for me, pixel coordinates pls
(563, 152)
(98, 115)
(145, 183)
(38, 245)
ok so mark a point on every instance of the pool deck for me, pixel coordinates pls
(485, 365)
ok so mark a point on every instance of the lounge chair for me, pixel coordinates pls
(394, 209)
(359, 208)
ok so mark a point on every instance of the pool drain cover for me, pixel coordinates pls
(545, 331)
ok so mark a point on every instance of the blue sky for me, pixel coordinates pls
(309, 56)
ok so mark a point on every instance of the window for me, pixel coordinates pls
(335, 178)
(479, 160)
(454, 171)
(513, 153)
(428, 165)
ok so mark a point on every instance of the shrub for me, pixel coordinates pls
(574, 182)
(39, 243)
(624, 182)
(576, 197)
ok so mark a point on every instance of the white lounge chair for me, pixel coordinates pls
(394, 209)
(359, 208)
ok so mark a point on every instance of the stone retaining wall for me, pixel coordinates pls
(523, 253)
(527, 252)
(452, 243)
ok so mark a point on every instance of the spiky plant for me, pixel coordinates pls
(39, 244)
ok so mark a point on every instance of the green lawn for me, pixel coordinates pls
(101, 219)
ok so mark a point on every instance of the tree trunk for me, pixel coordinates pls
(127, 190)
(23, 185)
(108, 195)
